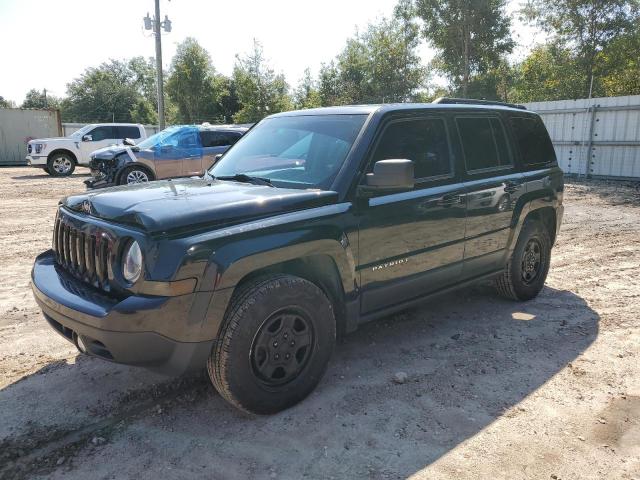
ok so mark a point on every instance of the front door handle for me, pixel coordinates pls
(450, 200)
(512, 187)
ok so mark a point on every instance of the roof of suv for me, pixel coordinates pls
(445, 103)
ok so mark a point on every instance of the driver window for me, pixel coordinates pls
(422, 140)
(188, 140)
(101, 133)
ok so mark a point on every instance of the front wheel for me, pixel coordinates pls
(60, 165)
(274, 345)
(527, 269)
(133, 175)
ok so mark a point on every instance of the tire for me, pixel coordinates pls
(255, 363)
(46, 169)
(60, 165)
(130, 174)
(527, 269)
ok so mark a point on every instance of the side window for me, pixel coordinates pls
(483, 142)
(533, 141)
(422, 140)
(218, 139)
(232, 137)
(101, 133)
(127, 132)
(188, 140)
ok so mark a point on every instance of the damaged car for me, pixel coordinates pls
(178, 151)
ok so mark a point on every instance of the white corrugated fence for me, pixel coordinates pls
(597, 137)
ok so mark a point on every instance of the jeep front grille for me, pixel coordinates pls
(83, 254)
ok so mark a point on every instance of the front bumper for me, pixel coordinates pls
(159, 333)
(36, 161)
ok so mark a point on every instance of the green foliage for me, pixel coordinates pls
(102, 94)
(550, 72)
(193, 85)
(586, 27)
(4, 103)
(620, 64)
(307, 94)
(380, 65)
(37, 99)
(470, 36)
(259, 90)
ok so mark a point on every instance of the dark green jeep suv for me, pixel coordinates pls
(313, 223)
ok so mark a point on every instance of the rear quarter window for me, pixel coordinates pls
(533, 142)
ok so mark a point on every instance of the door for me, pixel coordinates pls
(493, 188)
(100, 137)
(179, 155)
(412, 243)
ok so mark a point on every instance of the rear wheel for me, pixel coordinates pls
(61, 165)
(274, 345)
(133, 175)
(526, 272)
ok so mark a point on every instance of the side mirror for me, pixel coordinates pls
(389, 175)
(166, 148)
(87, 138)
(128, 142)
(217, 157)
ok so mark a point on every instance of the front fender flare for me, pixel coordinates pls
(229, 268)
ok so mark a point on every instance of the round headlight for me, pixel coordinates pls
(132, 262)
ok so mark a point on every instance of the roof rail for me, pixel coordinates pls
(472, 101)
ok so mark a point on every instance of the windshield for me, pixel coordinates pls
(82, 131)
(160, 138)
(295, 152)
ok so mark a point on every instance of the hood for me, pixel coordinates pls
(108, 153)
(170, 205)
(49, 140)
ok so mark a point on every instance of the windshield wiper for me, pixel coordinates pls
(244, 178)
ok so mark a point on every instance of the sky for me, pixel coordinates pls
(47, 43)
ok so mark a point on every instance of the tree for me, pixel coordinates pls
(306, 94)
(620, 64)
(37, 99)
(329, 85)
(102, 94)
(470, 36)
(193, 84)
(260, 91)
(4, 103)
(380, 65)
(585, 26)
(550, 72)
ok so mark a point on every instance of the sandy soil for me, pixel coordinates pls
(496, 389)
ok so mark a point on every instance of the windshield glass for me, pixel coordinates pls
(159, 138)
(82, 131)
(294, 152)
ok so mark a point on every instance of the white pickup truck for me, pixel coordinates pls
(59, 156)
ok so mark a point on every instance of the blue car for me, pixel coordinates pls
(178, 151)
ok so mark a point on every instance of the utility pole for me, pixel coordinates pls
(46, 103)
(156, 25)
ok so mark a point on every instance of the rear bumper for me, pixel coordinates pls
(132, 331)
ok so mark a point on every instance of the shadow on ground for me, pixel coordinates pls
(46, 175)
(470, 357)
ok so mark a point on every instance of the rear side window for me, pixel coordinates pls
(533, 141)
(127, 132)
(484, 142)
(218, 139)
(422, 140)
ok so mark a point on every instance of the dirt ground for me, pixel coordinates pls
(546, 389)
